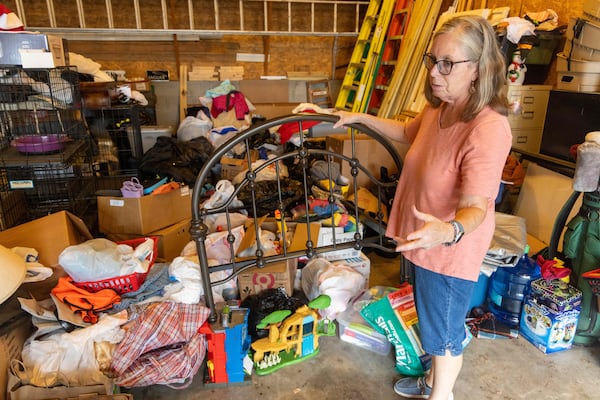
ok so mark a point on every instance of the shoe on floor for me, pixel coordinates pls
(414, 388)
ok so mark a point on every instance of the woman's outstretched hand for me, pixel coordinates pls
(433, 233)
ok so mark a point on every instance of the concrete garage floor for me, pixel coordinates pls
(503, 369)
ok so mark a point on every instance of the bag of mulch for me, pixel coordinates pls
(395, 316)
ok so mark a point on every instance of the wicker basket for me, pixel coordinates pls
(126, 283)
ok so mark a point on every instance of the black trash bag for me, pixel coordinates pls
(267, 196)
(264, 303)
(180, 161)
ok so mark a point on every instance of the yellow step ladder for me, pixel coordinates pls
(389, 56)
(361, 71)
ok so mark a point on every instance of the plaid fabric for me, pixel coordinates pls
(168, 366)
(162, 334)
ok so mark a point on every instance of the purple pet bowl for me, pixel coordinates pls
(39, 144)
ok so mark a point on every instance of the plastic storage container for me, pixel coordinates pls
(480, 291)
(508, 287)
(355, 330)
(151, 132)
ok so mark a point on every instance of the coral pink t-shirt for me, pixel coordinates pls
(440, 165)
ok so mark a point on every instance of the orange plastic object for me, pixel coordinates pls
(166, 188)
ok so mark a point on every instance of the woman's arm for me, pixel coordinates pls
(470, 213)
(391, 129)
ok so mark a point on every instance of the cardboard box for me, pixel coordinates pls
(30, 392)
(56, 54)
(49, 235)
(370, 153)
(548, 330)
(171, 240)
(144, 214)
(326, 239)
(276, 275)
(556, 295)
(12, 337)
(323, 236)
(12, 42)
(231, 167)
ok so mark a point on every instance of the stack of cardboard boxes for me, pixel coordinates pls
(166, 216)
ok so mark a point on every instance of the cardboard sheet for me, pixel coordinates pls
(543, 194)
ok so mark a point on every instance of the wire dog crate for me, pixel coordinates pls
(45, 148)
(40, 110)
(48, 187)
(117, 142)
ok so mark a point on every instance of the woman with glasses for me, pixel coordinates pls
(443, 211)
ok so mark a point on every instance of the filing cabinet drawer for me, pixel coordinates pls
(527, 139)
(533, 101)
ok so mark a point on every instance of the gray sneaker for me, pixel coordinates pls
(414, 388)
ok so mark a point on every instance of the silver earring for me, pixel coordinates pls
(472, 89)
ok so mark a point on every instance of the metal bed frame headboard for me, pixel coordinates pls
(199, 230)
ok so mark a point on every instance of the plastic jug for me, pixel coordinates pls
(508, 286)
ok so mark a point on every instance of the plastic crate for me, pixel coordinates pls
(126, 283)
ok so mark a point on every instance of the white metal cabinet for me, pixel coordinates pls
(527, 121)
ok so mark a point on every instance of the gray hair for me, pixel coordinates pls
(478, 39)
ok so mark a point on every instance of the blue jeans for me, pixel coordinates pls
(442, 304)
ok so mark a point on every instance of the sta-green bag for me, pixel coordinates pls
(395, 316)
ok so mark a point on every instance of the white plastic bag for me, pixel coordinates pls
(92, 260)
(99, 259)
(218, 222)
(340, 282)
(188, 289)
(187, 273)
(218, 248)
(192, 127)
(223, 191)
(68, 358)
(268, 243)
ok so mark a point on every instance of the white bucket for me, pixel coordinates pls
(578, 81)
(580, 52)
(576, 65)
(588, 37)
(151, 132)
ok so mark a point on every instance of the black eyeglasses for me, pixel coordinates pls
(443, 66)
